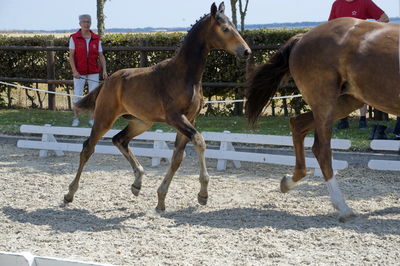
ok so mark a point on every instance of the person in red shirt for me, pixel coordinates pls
(85, 53)
(361, 9)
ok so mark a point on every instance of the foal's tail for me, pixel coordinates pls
(88, 102)
(265, 80)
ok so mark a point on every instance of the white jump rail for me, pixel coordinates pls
(28, 259)
(226, 152)
(49, 142)
(385, 145)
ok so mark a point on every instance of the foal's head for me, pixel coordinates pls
(223, 34)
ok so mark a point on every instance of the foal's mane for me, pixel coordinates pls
(193, 27)
(196, 24)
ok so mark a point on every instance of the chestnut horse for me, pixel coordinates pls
(169, 92)
(337, 66)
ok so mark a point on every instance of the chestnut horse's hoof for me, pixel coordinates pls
(347, 217)
(68, 199)
(135, 190)
(284, 187)
(202, 200)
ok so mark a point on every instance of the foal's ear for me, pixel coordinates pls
(213, 10)
(221, 8)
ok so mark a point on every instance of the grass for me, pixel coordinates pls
(11, 119)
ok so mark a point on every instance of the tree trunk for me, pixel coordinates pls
(100, 17)
(31, 98)
(243, 13)
(39, 98)
(234, 13)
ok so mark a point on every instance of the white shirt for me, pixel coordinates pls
(72, 45)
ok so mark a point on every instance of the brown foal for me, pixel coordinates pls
(169, 92)
(337, 66)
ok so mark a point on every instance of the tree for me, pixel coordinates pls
(100, 16)
(234, 16)
(238, 92)
(242, 11)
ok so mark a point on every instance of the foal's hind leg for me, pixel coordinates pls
(121, 140)
(180, 144)
(100, 127)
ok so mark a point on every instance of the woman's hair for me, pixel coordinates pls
(87, 16)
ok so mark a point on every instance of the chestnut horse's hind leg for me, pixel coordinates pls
(121, 141)
(304, 123)
(100, 127)
(324, 115)
(322, 151)
(321, 119)
(177, 157)
(300, 126)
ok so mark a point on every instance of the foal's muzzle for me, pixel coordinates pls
(243, 52)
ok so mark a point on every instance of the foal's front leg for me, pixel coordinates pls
(186, 132)
(177, 157)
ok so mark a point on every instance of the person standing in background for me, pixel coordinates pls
(85, 52)
(396, 130)
(361, 9)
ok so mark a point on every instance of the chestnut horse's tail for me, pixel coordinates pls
(88, 102)
(265, 80)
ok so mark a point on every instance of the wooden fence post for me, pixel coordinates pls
(285, 107)
(273, 107)
(250, 64)
(51, 73)
(143, 54)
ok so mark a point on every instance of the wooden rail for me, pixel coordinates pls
(116, 48)
(50, 49)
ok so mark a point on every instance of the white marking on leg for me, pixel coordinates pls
(290, 183)
(337, 198)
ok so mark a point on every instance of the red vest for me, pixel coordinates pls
(86, 63)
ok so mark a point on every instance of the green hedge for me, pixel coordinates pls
(221, 66)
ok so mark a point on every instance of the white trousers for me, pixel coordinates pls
(79, 84)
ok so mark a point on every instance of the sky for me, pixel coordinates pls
(63, 14)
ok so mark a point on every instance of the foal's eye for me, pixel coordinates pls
(225, 30)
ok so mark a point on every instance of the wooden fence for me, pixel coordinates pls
(50, 49)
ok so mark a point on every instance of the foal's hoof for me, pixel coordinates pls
(202, 200)
(160, 209)
(284, 187)
(68, 199)
(347, 217)
(135, 190)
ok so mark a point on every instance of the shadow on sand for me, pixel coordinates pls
(71, 220)
(270, 216)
